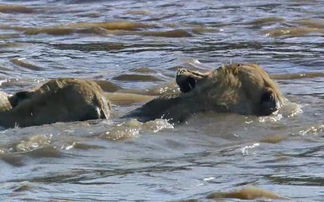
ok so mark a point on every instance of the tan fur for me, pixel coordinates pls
(237, 88)
(58, 100)
(4, 102)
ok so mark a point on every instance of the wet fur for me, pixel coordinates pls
(238, 88)
(59, 100)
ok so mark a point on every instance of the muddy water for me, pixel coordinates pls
(135, 45)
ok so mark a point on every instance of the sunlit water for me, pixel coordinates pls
(122, 159)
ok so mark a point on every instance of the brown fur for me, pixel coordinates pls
(239, 88)
(59, 100)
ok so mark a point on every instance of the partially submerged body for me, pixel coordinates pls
(239, 88)
(59, 100)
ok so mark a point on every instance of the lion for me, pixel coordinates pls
(237, 88)
(244, 89)
(58, 100)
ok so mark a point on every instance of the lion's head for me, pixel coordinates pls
(238, 88)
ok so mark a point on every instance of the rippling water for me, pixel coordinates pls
(134, 45)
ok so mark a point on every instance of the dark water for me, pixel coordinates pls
(135, 44)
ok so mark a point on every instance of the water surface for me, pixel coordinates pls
(135, 45)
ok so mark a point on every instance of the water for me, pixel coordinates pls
(128, 160)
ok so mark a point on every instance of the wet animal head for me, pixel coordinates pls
(58, 100)
(238, 88)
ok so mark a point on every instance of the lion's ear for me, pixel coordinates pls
(187, 79)
(185, 82)
(19, 97)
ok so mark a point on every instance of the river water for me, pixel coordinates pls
(135, 45)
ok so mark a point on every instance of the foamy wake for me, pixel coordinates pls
(288, 109)
(132, 128)
(312, 130)
(32, 143)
